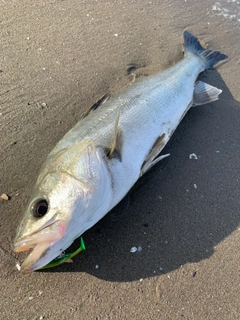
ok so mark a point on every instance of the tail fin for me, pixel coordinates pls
(191, 44)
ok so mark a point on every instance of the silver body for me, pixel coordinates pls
(148, 109)
(81, 180)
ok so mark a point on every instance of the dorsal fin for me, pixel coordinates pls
(96, 105)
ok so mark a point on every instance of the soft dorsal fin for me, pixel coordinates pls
(96, 105)
(204, 93)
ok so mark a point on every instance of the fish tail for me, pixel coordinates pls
(210, 58)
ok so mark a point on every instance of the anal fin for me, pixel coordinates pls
(151, 159)
(204, 93)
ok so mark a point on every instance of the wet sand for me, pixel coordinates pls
(57, 59)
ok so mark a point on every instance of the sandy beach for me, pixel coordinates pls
(57, 59)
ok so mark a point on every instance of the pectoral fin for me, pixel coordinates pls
(151, 159)
(204, 93)
(113, 151)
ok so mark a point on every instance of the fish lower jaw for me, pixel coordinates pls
(35, 258)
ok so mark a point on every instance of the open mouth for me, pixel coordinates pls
(39, 242)
(28, 265)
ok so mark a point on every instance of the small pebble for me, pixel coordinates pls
(4, 196)
(133, 249)
(18, 266)
(30, 298)
(96, 266)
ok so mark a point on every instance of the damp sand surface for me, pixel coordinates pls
(170, 249)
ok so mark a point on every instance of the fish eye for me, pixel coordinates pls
(40, 208)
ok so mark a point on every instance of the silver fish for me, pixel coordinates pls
(97, 162)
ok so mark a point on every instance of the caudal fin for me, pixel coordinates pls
(191, 44)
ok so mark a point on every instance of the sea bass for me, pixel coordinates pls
(98, 161)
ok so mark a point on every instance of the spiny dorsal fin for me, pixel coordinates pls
(96, 105)
(204, 93)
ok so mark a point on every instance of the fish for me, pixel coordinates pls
(98, 161)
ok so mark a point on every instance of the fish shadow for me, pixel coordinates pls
(181, 209)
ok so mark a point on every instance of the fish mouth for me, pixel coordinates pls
(30, 263)
(39, 242)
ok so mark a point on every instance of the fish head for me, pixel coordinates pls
(68, 198)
